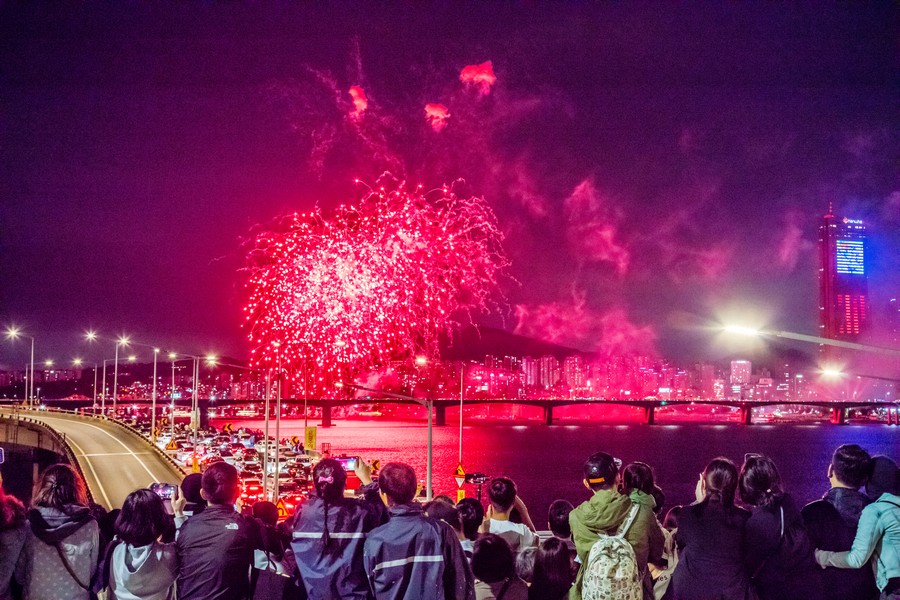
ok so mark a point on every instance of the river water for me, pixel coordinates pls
(545, 462)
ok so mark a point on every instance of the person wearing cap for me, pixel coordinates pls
(878, 534)
(605, 512)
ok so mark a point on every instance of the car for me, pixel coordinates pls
(252, 491)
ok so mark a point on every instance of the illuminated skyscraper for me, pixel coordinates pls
(843, 289)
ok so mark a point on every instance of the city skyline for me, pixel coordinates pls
(644, 182)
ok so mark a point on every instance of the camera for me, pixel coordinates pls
(349, 463)
(477, 478)
(163, 490)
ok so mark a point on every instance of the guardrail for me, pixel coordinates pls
(59, 438)
(84, 415)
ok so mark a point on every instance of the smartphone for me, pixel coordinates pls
(349, 464)
(163, 490)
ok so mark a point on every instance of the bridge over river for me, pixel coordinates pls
(649, 406)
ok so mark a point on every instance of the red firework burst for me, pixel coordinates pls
(375, 283)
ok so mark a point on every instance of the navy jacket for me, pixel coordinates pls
(831, 525)
(215, 551)
(710, 540)
(413, 557)
(783, 567)
(335, 570)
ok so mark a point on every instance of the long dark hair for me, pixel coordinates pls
(552, 570)
(720, 477)
(329, 479)
(60, 487)
(637, 476)
(143, 518)
(759, 482)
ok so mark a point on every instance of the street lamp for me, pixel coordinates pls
(13, 333)
(172, 357)
(122, 341)
(428, 403)
(153, 399)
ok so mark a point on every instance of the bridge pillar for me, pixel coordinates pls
(649, 415)
(326, 415)
(440, 416)
(548, 415)
(203, 407)
(838, 416)
(746, 415)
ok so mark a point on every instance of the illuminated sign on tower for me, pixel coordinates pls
(843, 289)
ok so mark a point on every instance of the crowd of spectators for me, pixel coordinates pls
(745, 537)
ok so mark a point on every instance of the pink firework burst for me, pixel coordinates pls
(376, 282)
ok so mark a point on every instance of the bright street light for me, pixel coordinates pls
(122, 341)
(48, 362)
(812, 339)
(12, 333)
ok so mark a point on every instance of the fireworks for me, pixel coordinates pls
(376, 282)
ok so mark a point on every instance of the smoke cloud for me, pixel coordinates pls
(480, 77)
(573, 323)
(437, 116)
(592, 228)
(360, 102)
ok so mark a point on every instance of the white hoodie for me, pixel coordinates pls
(143, 572)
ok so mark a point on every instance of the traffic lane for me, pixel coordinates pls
(115, 461)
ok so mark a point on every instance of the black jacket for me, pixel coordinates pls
(831, 525)
(215, 551)
(710, 541)
(782, 565)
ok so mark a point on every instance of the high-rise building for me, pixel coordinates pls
(843, 289)
(549, 371)
(741, 370)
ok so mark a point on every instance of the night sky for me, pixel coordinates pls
(651, 165)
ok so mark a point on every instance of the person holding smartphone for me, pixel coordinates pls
(329, 533)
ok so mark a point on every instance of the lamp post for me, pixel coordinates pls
(153, 399)
(172, 357)
(122, 341)
(275, 489)
(13, 333)
(428, 403)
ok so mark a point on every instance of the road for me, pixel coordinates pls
(115, 461)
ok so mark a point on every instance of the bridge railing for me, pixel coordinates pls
(83, 415)
(60, 439)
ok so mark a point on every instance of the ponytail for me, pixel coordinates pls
(329, 479)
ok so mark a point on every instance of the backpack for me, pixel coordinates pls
(611, 571)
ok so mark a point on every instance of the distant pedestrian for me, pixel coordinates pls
(832, 522)
(780, 557)
(13, 535)
(329, 532)
(413, 556)
(215, 548)
(63, 552)
(504, 499)
(140, 566)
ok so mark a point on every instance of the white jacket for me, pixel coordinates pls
(143, 572)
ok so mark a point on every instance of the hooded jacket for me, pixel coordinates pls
(77, 533)
(143, 572)
(13, 533)
(878, 537)
(336, 570)
(604, 512)
(647, 547)
(831, 524)
(413, 556)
